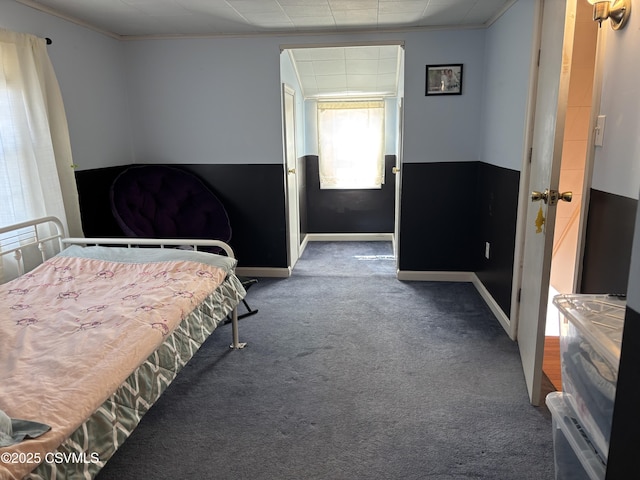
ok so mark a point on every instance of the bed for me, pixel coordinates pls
(92, 335)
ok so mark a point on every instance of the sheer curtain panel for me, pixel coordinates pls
(36, 167)
(351, 144)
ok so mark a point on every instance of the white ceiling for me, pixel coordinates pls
(361, 70)
(348, 71)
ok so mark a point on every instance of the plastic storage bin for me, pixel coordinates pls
(590, 338)
(576, 458)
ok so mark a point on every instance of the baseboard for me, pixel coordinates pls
(424, 276)
(434, 276)
(502, 317)
(303, 245)
(349, 237)
(272, 272)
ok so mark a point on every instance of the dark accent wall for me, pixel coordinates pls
(438, 217)
(624, 443)
(349, 211)
(449, 211)
(497, 200)
(608, 243)
(253, 195)
(95, 208)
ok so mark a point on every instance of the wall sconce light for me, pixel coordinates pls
(615, 10)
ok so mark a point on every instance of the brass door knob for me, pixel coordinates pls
(566, 196)
(395, 170)
(551, 196)
(292, 170)
(537, 196)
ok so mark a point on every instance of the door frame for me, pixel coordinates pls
(345, 44)
(398, 180)
(291, 176)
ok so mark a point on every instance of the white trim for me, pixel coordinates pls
(273, 272)
(349, 237)
(433, 276)
(303, 244)
(493, 305)
(372, 43)
(297, 33)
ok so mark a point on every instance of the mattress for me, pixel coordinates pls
(91, 366)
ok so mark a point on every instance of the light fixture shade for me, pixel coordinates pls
(617, 11)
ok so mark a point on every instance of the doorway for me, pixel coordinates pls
(344, 73)
(564, 276)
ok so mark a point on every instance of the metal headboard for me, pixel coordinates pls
(45, 234)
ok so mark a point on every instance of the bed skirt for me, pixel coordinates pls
(88, 449)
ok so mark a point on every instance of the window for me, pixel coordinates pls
(351, 144)
(35, 152)
(15, 201)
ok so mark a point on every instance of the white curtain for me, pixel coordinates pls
(36, 167)
(351, 144)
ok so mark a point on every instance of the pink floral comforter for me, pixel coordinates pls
(73, 329)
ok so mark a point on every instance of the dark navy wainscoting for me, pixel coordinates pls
(253, 196)
(349, 211)
(608, 242)
(497, 200)
(438, 217)
(624, 443)
(449, 211)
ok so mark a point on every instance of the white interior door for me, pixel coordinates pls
(397, 173)
(291, 158)
(558, 23)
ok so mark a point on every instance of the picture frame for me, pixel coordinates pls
(443, 79)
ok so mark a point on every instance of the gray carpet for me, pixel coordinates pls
(349, 374)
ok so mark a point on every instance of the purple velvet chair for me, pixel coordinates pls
(159, 201)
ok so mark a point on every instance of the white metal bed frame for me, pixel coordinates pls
(15, 239)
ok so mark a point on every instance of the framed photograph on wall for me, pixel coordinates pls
(444, 79)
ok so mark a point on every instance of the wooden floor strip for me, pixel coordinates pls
(551, 362)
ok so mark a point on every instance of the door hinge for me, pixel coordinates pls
(539, 55)
(530, 154)
(519, 297)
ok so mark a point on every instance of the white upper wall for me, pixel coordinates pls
(217, 100)
(442, 128)
(206, 100)
(91, 74)
(617, 163)
(509, 47)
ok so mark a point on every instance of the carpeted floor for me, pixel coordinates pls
(348, 374)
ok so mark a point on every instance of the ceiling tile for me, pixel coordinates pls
(387, 65)
(362, 67)
(331, 81)
(329, 67)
